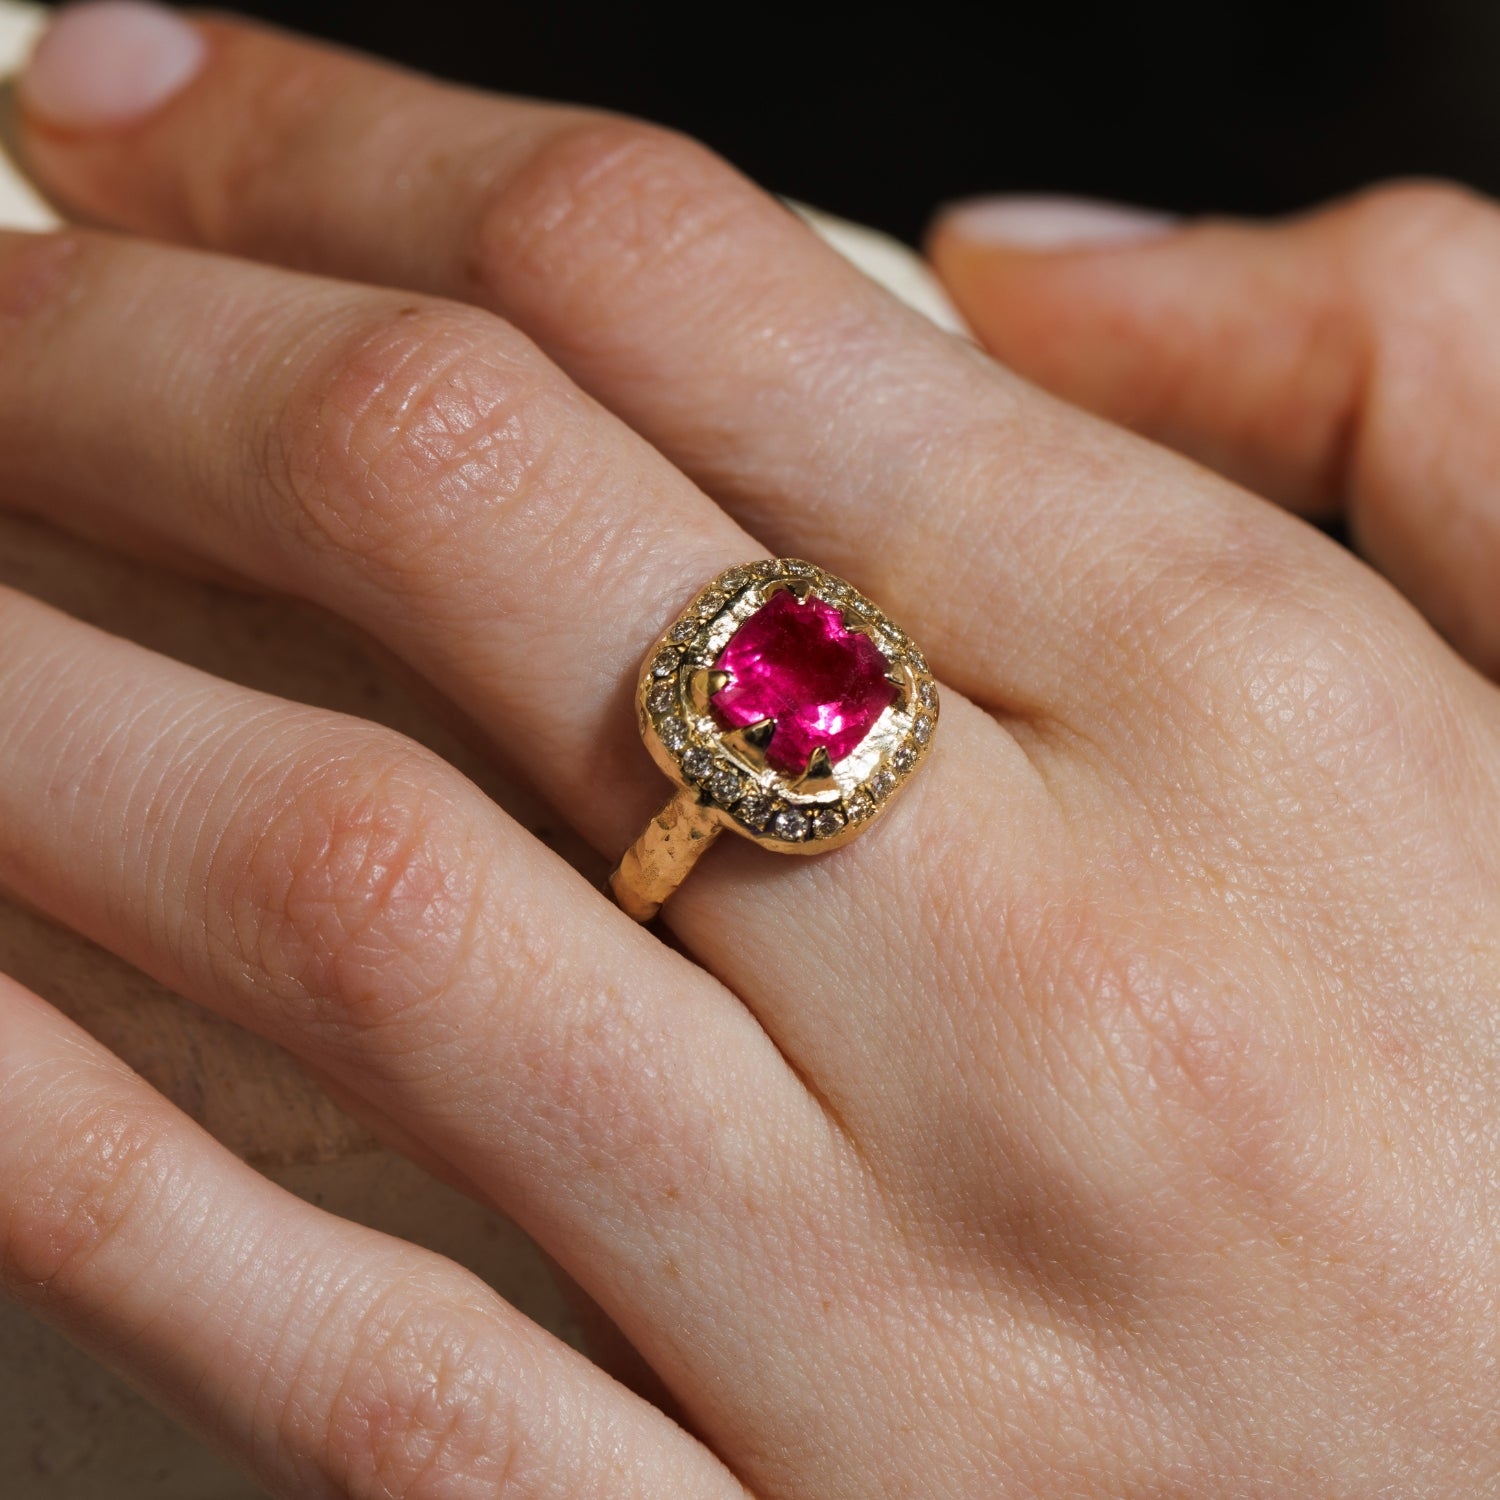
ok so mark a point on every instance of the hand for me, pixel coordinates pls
(1117, 1117)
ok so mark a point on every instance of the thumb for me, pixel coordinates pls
(1348, 360)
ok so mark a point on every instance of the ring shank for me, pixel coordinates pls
(659, 860)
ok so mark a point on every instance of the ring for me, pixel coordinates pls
(786, 707)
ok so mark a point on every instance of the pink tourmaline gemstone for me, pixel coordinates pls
(796, 663)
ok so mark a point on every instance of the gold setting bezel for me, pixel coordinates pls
(732, 783)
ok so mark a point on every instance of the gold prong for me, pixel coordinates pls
(748, 745)
(798, 588)
(818, 777)
(703, 684)
(854, 623)
(905, 680)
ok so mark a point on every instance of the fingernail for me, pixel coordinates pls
(109, 63)
(1054, 223)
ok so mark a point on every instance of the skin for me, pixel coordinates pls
(1118, 1118)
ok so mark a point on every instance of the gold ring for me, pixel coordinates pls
(785, 706)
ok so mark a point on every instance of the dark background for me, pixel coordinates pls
(879, 113)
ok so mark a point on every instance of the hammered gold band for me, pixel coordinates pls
(787, 708)
(659, 860)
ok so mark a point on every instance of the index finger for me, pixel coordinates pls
(1015, 536)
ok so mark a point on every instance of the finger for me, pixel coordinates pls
(1338, 362)
(417, 467)
(355, 900)
(414, 466)
(828, 419)
(321, 1357)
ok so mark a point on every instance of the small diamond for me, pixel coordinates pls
(672, 733)
(789, 824)
(711, 603)
(927, 694)
(882, 783)
(666, 661)
(903, 757)
(797, 567)
(724, 786)
(754, 810)
(917, 659)
(660, 698)
(858, 805)
(683, 630)
(921, 731)
(826, 822)
(734, 580)
(697, 763)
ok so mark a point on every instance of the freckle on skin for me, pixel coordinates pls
(475, 272)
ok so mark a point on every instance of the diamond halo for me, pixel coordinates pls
(819, 805)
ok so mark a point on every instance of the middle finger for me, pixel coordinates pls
(412, 464)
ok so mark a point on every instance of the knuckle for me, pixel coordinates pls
(1420, 235)
(1422, 207)
(1275, 676)
(352, 892)
(99, 1168)
(1189, 1060)
(1290, 703)
(407, 435)
(610, 211)
(429, 1397)
(1305, 688)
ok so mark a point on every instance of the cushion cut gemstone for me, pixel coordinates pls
(799, 664)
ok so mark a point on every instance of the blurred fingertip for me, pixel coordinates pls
(1038, 224)
(103, 64)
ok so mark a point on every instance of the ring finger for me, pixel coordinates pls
(418, 467)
